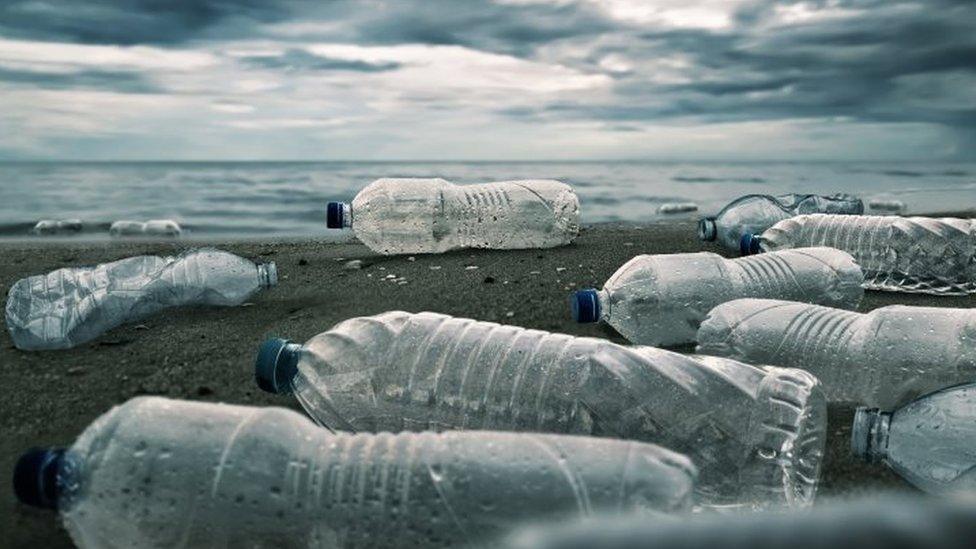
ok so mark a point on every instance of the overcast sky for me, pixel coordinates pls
(502, 79)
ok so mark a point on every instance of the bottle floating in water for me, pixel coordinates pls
(396, 216)
(754, 213)
(661, 299)
(156, 472)
(881, 358)
(151, 228)
(866, 523)
(57, 226)
(755, 433)
(899, 254)
(931, 442)
(70, 306)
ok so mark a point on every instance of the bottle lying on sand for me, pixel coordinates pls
(151, 228)
(156, 472)
(661, 299)
(755, 433)
(396, 216)
(931, 442)
(873, 523)
(754, 213)
(881, 358)
(57, 226)
(70, 306)
(899, 254)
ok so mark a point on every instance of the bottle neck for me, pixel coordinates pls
(267, 275)
(707, 231)
(869, 434)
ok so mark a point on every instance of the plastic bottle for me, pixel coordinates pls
(396, 216)
(900, 254)
(931, 442)
(755, 433)
(57, 226)
(151, 228)
(661, 299)
(754, 213)
(881, 358)
(893, 521)
(70, 306)
(156, 472)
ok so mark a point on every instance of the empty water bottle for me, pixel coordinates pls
(931, 442)
(395, 216)
(901, 254)
(156, 472)
(151, 228)
(70, 306)
(881, 358)
(661, 299)
(57, 226)
(892, 521)
(755, 433)
(754, 213)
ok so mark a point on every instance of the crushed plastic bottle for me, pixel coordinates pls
(46, 227)
(755, 433)
(881, 358)
(898, 254)
(70, 306)
(152, 228)
(930, 442)
(156, 472)
(892, 521)
(399, 216)
(754, 213)
(661, 299)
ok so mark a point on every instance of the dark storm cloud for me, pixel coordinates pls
(129, 22)
(117, 81)
(300, 60)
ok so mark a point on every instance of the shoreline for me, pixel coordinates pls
(208, 353)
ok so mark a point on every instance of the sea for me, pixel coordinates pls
(287, 199)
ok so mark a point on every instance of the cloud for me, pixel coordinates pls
(503, 78)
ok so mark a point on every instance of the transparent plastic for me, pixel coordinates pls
(70, 306)
(881, 358)
(754, 213)
(755, 433)
(930, 442)
(151, 228)
(156, 472)
(661, 299)
(57, 226)
(397, 216)
(902, 254)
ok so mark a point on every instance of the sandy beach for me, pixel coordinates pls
(208, 354)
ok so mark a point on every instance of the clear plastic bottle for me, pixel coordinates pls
(888, 522)
(754, 213)
(881, 358)
(899, 254)
(70, 306)
(931, 442)
(755, 433)
(57, 226)
(661, 299)
(397, 216)
(151, 228)
(156, 472)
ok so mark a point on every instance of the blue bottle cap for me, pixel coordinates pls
(585, 305)
(36, 477)
(276, 365)
(706, 229)
(334, 215)
(749, 244)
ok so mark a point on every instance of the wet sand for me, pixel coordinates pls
(207, 354)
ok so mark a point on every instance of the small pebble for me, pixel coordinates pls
(248, 304)
(76, 371)
(489, 280)
(411, 258)
(628, 244)
(470, 267)
(560, 269)
(353, 265)
(142, 327)
(302, 262)
(435, 267)
(510, 314)
(389, 277)
(535, 272)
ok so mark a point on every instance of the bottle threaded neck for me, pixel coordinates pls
(869, 434)
(36, 477)
(268, 275)
(276, 365)
(338, 215)
(707, 231)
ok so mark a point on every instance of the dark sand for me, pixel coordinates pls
(207, 354)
